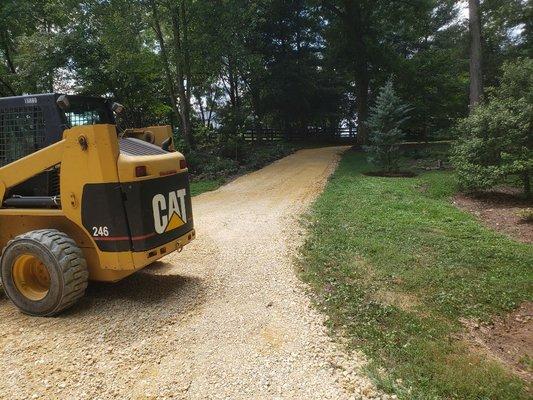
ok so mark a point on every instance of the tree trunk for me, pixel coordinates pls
(181, 65)
(356, 26)
(527, 184)
(362, 106)
(7, 51)
(476, 77)
(186, 54)
(200, 102)
(231, 82)
(164, 57)
(10, 89)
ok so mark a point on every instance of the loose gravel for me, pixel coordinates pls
(226, 319)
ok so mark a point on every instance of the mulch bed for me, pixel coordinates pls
(508, 339)
(499, 210)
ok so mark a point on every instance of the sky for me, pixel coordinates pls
(463, 10)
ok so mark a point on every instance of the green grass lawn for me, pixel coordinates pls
(395, 266)
(205, 185)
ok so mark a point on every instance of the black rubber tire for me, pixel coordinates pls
(65, 264)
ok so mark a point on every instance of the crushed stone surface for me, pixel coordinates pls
(227, 318)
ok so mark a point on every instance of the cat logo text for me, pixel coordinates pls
(169, 211)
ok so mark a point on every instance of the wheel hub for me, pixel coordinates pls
(31, 277)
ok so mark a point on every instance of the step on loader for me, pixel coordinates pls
(81, 199)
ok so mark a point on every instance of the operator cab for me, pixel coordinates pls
(81, 110)
(31, 123)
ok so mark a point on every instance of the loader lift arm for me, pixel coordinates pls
(21, 170)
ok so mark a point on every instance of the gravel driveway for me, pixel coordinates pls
(225, 319)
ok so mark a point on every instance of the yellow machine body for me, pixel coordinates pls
(157, 135)
(91, 155)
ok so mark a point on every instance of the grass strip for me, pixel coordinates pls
(396, 266)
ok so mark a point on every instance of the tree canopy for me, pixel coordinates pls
(233, 65)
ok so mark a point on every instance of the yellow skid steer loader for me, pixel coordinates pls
(81, 201)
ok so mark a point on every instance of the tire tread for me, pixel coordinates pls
(70, 259)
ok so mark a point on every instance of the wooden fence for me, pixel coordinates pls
(341, 135)
(347, 136)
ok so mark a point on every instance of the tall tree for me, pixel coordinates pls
(368, 39)
(432, 70)
(236, 64)
(31, 45)
(476, 73)
(288, 41)
(354, 22)
(180, 21)
(172, 28)
(385, 122)
(103, 63)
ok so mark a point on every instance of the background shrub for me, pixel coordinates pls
(495, 141)
(385, 121)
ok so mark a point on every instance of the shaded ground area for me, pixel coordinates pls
(508, 339)
(500, 210)
(225, 319)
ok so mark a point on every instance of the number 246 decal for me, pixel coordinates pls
(99, 231)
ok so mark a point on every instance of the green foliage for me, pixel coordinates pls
(434, 81)
(31, 48)
(397, 271)
(290, 65)
(261, 155)
(219, 166)
(496, 140)
(506, 26)
(385, 121)
(209, 161)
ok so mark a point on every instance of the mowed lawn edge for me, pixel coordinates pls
(396, 267)
(205, 185)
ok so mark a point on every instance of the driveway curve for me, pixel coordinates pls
(226, 319)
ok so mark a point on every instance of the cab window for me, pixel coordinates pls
(88, 113)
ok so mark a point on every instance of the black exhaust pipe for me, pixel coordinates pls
(33, 202)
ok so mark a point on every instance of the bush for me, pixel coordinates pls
(232, 146)
(495, 141)
(206, 165)
(385, 121)
(261, 155)
(211, 161)
(221, 166)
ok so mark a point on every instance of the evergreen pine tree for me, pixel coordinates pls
(385, 121)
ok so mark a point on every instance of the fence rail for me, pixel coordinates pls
(338, 136)
(347, 135)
